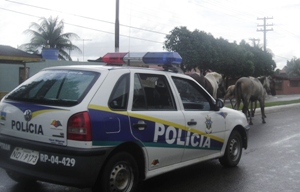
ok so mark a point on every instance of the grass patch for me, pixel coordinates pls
(271, 104)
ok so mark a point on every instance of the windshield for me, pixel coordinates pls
(55, 87)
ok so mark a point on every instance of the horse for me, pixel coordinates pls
(203, 82)
(210, 81)
(215, 80)
(270, 89)
(229, 94)
(250, 89)
(272, 86)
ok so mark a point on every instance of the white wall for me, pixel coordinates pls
(9, 73)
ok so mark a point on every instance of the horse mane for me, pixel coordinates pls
(265, 81)
(215, 74)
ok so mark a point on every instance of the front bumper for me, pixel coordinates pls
(56, 164)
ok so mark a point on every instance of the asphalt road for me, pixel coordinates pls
(270, 164)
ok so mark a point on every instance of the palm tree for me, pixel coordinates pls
(49, 33)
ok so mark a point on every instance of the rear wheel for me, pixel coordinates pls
(233, 150)
(20, 178)
(120, 174)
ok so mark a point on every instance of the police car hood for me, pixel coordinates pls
(234, 117)
(33, 122)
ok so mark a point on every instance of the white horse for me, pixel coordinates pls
(215, 79)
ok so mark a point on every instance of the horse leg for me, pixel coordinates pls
(246, 111)
(237, 105)
(262, 108)
(253, 109)
(264, 113)
(232, 105)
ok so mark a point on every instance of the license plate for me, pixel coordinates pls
(25, 155)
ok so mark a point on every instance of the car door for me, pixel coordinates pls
(155, 120)
(206, 127)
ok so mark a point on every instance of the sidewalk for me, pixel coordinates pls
(271, 98)
(281, 107)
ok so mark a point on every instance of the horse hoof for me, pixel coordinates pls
(250, 123)
(263, 122)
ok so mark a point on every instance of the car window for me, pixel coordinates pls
(192, 95)
(152, 92)
(119, 96)
(55, 87)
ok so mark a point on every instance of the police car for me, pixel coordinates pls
(109, 127)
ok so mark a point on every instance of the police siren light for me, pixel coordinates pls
(148, 58)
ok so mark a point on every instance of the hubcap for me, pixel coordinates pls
(121, 178)
(234, 149)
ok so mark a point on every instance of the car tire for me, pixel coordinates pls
(120, 174)
(20, 178)
(233, 151)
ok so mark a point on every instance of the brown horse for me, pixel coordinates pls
(203, 82)
(210, 81)
(229, 94)
(250, 89)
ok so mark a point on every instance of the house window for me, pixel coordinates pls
(278, 84)
(22, 74)
(294, 83)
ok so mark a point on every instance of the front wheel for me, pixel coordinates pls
(233, 151)
(120, 174)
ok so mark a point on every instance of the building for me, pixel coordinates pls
(286, 84)
(13, 63)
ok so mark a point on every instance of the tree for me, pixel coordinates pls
(262, 61)
(196, 48)
(202, 51)
(49, 33)
(234, 60)
(293, 67)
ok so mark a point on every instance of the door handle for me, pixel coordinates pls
(140, 125)
(192, 123)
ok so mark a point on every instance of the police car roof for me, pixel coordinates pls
(99, 68)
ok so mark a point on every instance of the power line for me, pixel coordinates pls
(86, 27)
(109, 22)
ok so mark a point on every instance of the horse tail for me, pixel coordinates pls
(238, 94)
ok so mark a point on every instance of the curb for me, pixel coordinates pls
(278, 108)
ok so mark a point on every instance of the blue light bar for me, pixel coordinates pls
(162, 58)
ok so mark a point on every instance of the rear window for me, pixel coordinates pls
(55, 87)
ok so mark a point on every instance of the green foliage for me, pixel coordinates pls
(200, 50)
(49, 33)
(293, 67)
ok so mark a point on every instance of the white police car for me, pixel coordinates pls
(109, 127)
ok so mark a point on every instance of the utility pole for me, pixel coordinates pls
(83, 40)
(117, 29)
(264, 29)
(254, 41)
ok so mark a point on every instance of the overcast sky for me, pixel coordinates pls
(144, 24)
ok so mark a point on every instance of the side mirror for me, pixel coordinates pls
(219, 103)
